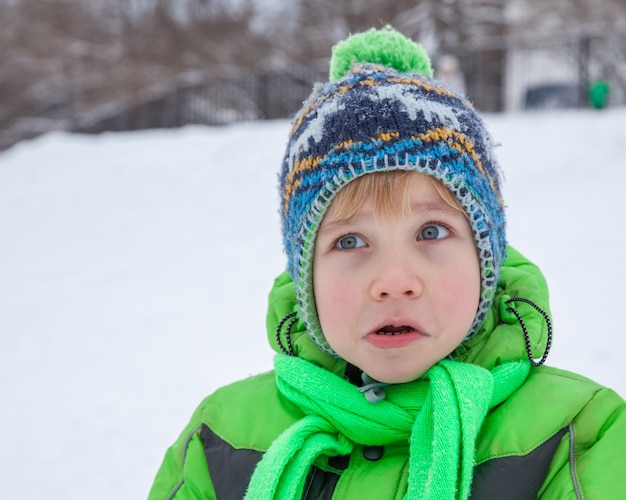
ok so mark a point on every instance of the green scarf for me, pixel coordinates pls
(440, 415)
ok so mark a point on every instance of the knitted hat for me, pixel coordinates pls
(382, 111)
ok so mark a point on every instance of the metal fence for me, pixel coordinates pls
(216, 101)
(512, 75)
(515, 75)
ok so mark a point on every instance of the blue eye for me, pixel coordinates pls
(433, 232)
(349, 242)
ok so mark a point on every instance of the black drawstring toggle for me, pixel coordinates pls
(525, 330)
(293, 319)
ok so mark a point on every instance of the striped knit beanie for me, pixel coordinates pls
(382, 111)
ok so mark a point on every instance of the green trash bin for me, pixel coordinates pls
(599, 93)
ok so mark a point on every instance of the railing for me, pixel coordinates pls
(505, 76)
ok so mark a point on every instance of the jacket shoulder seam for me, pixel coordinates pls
(180, 483)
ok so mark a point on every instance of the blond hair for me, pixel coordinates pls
(390, 192)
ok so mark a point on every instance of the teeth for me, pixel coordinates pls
(394, 330)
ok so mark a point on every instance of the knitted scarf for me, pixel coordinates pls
(439, 415)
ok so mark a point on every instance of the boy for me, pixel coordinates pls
(410, 337)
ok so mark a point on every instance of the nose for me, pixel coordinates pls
(396, 279)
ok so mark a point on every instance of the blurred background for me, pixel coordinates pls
(100, 65)
(122, 255)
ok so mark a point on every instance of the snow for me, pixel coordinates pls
(135, 269)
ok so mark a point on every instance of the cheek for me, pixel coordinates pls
(332, 299)
(460, 292)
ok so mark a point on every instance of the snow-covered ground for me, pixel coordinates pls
(134, 270)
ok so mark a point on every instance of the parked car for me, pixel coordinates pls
(552, 96)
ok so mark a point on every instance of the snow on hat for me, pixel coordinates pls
(382, 111)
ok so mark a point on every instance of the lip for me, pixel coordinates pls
(398, 340)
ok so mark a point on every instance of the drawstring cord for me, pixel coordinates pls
(293, 319)
(525, 330)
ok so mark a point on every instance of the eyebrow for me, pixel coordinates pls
(420, 206)
(436, 206)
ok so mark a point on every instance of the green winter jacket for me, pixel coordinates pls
(559, 436)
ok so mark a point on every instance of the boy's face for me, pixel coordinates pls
(396, 296)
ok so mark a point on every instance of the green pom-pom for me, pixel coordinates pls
(386, 47)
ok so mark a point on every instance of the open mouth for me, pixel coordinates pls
(394, 336)
(395, 330)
